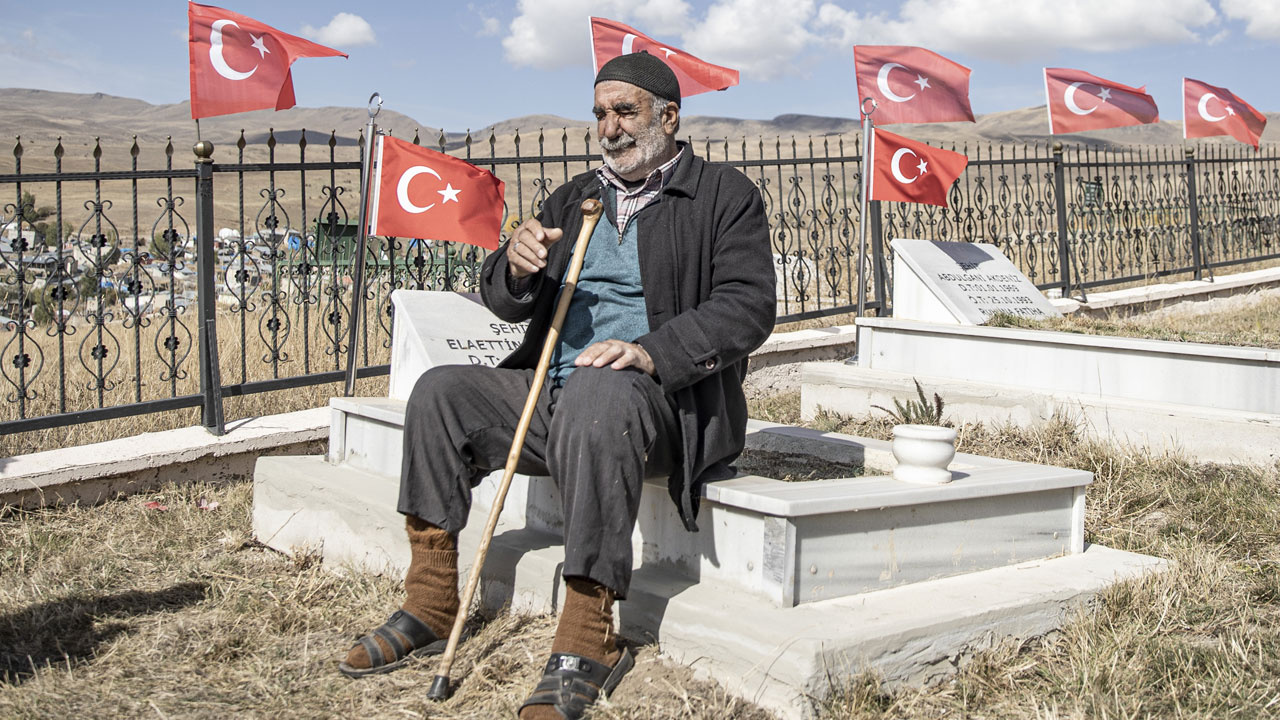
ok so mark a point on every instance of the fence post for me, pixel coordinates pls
(1193, 208)
(1060, 208)
(878, 274)
(206, 293)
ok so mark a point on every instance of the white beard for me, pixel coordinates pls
(651, 143)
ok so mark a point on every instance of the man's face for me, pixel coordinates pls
(634, 140)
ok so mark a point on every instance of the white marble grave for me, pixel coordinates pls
(435, 327)
(786, 584)
(960, 282)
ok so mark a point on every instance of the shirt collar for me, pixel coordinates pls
(655, 181)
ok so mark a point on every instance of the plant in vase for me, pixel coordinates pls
(922, 446)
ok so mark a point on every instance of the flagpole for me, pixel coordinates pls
(362, 236)
(867, 131)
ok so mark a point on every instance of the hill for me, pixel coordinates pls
(41, 116)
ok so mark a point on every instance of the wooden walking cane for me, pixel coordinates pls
(591, 210)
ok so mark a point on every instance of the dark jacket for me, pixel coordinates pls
(707, 272)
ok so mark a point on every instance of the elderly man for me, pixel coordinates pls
(676, 290)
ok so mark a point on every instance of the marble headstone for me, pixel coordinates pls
(960, 283)
(444, 328)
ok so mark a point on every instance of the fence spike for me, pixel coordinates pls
(17, 147)
(302, 141)
(241, 142)
(333, 138)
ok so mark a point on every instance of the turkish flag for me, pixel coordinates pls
(239, 64)
(421, 193)
(911, 84)
(1208, 111)
(1079, 101)
(610, 38)
(908, 171)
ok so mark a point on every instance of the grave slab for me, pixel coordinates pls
(960, 282)
(1208, 434)
(778, 656)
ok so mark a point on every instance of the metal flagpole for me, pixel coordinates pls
(362, 236)
(867, 130)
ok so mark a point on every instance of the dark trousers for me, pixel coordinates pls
(598, 437)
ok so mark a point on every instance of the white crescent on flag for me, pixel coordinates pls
(1069, 97)
(897, 169)
(215, 53)
(1203, 108)
(402, 188)
(882, 82)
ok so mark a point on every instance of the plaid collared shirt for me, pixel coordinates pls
(632, 201)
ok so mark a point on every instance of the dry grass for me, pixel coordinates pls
(1201, 640)
(122, 611)
(1251, 320)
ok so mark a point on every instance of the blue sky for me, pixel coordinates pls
(468, 64)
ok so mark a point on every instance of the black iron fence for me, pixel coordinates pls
(112, 283)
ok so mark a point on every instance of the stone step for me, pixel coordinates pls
(779, 656)
(792, 542)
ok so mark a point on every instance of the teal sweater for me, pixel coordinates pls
(608, 303)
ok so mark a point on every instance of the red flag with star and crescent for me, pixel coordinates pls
(1208, 111)
(911, 84)
(421, 193)
(1079, 101)
(610, 38)
(239, 64)
(904, 170)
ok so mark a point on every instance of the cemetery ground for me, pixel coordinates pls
(163, 605)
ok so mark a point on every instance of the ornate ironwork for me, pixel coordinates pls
(105, 300)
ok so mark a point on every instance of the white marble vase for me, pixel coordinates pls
(923, 453)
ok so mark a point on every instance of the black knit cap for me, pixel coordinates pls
(644, 71)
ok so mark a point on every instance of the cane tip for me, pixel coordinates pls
(439, 688)
(591, 206)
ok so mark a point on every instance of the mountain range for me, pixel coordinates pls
(41, 116)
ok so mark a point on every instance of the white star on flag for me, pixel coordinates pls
(923, 166)
(259, 45)
(1104, 93)
(922, 81)
(449, 193)
(1231, 110)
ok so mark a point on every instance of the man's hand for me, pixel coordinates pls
(617, 355)
(527, 251)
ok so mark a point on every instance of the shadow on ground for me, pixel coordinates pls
(67, 632)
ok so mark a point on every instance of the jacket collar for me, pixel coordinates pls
(684, 180)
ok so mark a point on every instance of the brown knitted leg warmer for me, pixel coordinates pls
(431, 584)
(586, 628)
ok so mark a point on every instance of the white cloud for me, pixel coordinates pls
(766, 39)
(1261, 17)
(343, 31)
(1021, 29)
(550, 34)
(29, 35)
(660, 17)
(761, 38)
(490, 26)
